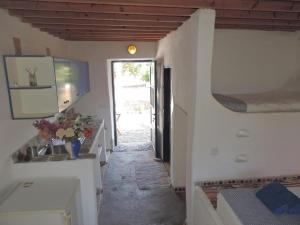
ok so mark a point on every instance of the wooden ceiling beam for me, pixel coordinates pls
(101, 22)
(217, 4)
(258, 22)
(112, 39)
(94, 27)
(104, 31)
(95, 16)
(98, 19)
(256, 27)
(257, 15)
(182, 3)
(95, 8)
(152, 3)
(107, 37)
(129, 38)
(98, 31)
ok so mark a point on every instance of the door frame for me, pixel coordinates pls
(114, 96)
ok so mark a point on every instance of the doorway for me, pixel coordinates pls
(133, 111)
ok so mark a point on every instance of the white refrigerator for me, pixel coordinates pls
(45, 201)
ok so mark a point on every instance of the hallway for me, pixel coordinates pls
(137, 192)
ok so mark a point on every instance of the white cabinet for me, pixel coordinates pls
(43, 201)
(97, 148)
(88, 171)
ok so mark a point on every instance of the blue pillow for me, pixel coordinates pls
(275, 197)
(287, 197)
(272, 188)
(294, 207)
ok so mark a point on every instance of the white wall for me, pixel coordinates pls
(247, 61)
(271, 148)
(179, 52)
(15, 133)
(99, 55)
(231, 62)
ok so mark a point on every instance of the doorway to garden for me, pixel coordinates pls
(134, 113)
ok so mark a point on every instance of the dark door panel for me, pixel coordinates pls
(167, 115)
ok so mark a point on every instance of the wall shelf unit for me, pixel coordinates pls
(32, 88)
(41, 86)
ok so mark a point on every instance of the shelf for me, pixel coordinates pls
(33, 116)
(31, 88)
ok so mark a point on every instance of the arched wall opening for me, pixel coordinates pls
(256, 71)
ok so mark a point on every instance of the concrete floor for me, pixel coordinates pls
(125, 204)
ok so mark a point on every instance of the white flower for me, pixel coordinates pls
(60, 133)
(70, 133)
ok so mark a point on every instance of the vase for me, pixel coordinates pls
(76, 144)
(68, 147)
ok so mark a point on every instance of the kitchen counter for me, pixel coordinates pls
(24, 154)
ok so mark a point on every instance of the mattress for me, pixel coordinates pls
(272, 101)
(240, 206)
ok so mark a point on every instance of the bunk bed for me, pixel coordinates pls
(272, 101)
(241, 207)
(233, 202)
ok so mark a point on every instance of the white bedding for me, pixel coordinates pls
(272, 101)
(227, 214)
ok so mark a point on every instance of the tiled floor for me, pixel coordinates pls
(127, 202)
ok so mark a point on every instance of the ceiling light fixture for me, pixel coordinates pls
(132, 49)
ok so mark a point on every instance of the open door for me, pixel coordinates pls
(163, 112)
(166, 155)
(153, 111)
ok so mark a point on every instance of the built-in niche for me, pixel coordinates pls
(256, 71)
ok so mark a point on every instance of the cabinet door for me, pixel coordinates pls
(84, 81)
(75, 80)
(20, 70)
(65, 87)
(72, 81)
(80, 78)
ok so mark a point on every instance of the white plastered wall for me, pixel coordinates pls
(249, 61)
(14, 133)
(272, 147)
(180, 52)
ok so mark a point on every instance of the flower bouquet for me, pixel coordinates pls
(69, 129)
